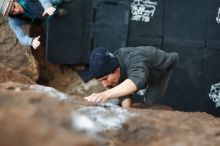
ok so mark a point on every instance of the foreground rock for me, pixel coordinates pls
(7, 75)
(30, 119)
(16, 56)
(29, 116)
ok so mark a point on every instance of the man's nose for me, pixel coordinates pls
(104, 83)
(15, 11)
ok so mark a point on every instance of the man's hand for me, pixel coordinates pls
(127, 102)
(49, 11)
(97, 97)
(36, 42)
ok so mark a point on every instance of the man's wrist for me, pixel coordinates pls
(30, 41)
(108, 94)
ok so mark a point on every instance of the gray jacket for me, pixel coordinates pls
(144, 65)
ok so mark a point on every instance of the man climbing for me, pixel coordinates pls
(130, 70)
(22, 12)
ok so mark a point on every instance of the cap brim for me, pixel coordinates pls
(7, 9)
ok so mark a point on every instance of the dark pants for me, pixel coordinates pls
(155, 92)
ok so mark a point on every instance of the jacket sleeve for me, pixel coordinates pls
(16, 26)
(46, 3)
(137, 71)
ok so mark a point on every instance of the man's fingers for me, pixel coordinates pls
(36, 42)
(38, 37)
(96, 97)
(50, 11)
(98, 100)
(92, 98)
(87, 98)
(45, 13)
(36, 45)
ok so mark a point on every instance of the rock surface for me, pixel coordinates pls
(6, 75)
(31, 119)
(16, 56)
(42, 120)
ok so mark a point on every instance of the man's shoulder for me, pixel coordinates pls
(126, 49)
(15, 19)
(139, 49)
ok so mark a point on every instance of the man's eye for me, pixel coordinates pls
(104, 79)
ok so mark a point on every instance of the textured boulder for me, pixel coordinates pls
(33, 119)
(42, 120)
(16, 56)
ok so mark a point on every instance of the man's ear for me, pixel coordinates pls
(117, 70)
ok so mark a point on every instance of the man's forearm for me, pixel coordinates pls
(125, 88)
(46, 3)
(16, 26)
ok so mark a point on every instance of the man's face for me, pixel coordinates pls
(16, 9)
(111, 80)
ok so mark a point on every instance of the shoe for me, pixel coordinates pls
(61, 12)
